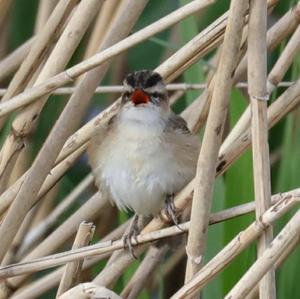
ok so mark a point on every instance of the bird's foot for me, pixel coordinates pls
(130, 234)
(170, 210)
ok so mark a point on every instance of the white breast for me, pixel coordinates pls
(137, 167)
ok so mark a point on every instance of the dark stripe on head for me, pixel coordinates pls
(143, 79)
(131, 80)
(153, 79)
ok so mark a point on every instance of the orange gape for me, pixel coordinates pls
(139, 97)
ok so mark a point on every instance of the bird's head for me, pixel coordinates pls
(144, 88)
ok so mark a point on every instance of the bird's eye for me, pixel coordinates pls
(127, 94)
(155, 94)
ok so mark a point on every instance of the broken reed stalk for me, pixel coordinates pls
(42, 285)
(266, 261)
(90, 211)
(237, 245)
(286, 202)
(212, 138)
(89, 290)
(257, 81)
(72, 271)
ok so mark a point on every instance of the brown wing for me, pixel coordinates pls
(177, 123)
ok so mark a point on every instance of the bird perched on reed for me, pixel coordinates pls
(145, 153)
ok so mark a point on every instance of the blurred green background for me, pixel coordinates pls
(236, 186)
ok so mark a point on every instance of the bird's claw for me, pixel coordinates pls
(131, 235)
(170, 210)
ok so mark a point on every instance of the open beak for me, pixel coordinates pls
(139, 97)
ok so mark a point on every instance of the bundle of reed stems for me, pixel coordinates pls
(77, 235)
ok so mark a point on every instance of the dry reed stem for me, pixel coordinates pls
(238, 244)
(265, 262)
(103, 21)
(89, 211)
(72, 271)
(212, 138)
(44, 208)
(146, 269)
(89, 290)
(284, 61)
(198, 110)
(23, 124)
(6, 108)
(70, 74)
(278, 109)
(12, 61)
(179, 88)
(55, 174)
(286, 25)
(39, 50)
(24, 160)
(257, 81)
(284, 255)
(287, 201)
(44, 11)
(42, 285)
(10, 256)
(37, 232)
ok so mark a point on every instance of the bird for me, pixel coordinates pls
(145, 153)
